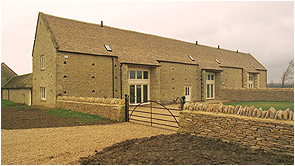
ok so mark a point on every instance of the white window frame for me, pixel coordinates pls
(211, 83)
(108, 48)
(251, 81)
(43, 93)
(141, 82)
(187, 92)
(42, 62)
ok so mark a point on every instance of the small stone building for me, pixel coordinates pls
(18, 89)
(74, 58)
(6, 73)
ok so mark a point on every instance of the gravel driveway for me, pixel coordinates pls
(65, 145)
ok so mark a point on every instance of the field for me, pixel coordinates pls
(18, 116)
(265, 105)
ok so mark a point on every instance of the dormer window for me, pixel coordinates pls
(191, 58)
(217, 61)
(108, 48)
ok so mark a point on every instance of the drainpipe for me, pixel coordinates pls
(113, 86)
(121, 80)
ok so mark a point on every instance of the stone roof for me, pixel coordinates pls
(139, 48)
(19, 82)
(6, 73)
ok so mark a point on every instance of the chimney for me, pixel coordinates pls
(101, 24)
(196, 42)
(237, 51)
(218, 47)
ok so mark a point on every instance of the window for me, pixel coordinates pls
(42, 62)
(217, 61)
(138, 74)
(252, 65)
(251, 81)
(108, 48)
(132, 74)
(210, 86)
(138, 82)
(191, 58)
(145, 75)
(210, 76)
(43, 93)
(138, 93)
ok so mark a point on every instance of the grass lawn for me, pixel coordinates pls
(73, 114)
(11, 104)
(265, 105)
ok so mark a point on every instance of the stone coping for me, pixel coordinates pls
(111, 101)
(83, 102)
(262, 89)
(239, 117)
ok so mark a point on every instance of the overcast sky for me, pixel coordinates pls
(264, 29)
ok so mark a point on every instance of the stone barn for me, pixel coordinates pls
(75, 58)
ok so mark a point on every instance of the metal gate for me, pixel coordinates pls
(153, 113)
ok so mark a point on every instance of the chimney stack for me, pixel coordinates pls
(218, 47)
(101, 24)
(237, 51)
(196, 42)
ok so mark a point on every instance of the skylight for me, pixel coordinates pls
(191, 58)
(108, 48)
(252, 65)
(217, 61)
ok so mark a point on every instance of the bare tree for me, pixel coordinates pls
(288, 74)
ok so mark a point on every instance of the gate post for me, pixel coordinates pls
(126, 108)
(182, 102)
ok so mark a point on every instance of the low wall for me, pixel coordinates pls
(265, 94)
(110, 108)
(271, 131)
(17, 95)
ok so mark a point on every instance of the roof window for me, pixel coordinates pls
(217, 61)
(252, 65)
(191, 58)
(108, 48)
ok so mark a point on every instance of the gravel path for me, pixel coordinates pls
(65, 145)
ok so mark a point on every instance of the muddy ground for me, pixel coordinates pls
(182, 150)
(26, 118)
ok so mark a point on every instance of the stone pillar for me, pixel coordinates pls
(245, 79)
(256, 80)
(218, 85)
(155, 85)
(203, 85)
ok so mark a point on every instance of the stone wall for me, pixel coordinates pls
(264, 94)
(17, 95)
(87, 75)
(232, 77)
(173, 79)
(44, 46)
(111, 108)
(270, 130)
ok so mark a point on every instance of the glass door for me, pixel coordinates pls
(138, 93)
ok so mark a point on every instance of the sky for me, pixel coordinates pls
(265, 29)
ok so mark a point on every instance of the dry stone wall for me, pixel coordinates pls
(270, 130)
(261, 94)
(111, 108)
